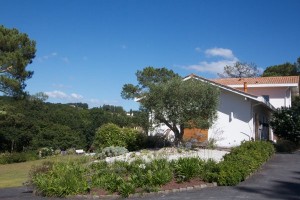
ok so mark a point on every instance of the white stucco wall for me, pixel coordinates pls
(279, 96)
(234, 123)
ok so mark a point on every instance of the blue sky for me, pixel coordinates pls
(88, 49)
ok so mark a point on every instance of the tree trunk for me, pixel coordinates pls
(12, 145)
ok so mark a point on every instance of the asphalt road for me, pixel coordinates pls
(279, 178)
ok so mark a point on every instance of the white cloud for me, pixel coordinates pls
(198, 49)
(56, 94)
(226, 57)
(95, 101)
(212, 67)
(46, 57)
(76, 96)
(221, 52)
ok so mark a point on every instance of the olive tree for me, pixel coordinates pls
(175, 102)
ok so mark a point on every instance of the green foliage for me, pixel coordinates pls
(109, 135)
(240, 70)
(210, 171)
(187, 168)
(17, 51)
(32, 124)
(285, 122)
(8, 158)
(146, 78)
(172, 104)
(112, 151)
(286, 69)
(45, 151)
(112, 135)
(163, 93)
(124, 178)
(242, 161)
(60, 180)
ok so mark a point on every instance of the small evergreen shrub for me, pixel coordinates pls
(112, 151)
(45, 151)
(60, 180)
(187, 168)
(210, 171)
(242, 161)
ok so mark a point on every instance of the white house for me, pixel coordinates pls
(277, 90)
(245, 107)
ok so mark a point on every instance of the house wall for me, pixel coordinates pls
(234, 123)
(279, 96)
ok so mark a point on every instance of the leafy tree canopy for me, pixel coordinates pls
(147, 77)
(286, 122)
(176, 103)
(16, 52)
(240, 70)
(286, 69)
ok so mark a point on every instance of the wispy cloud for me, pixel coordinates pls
(198, 49)
(46, 57)
(218, 58)
(54, 55)
(221, 52)
(65, 60)
(56, 94)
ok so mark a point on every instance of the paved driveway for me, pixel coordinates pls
(278, 179)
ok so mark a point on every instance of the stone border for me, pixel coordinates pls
(136, 195)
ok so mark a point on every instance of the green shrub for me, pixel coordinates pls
(114, 151)
(45, 151)
(71, 151)
(210, 171)
(61, 179)
(16, 157)
(187, 168)
(242, 161)
(109, 135)
(134, 139)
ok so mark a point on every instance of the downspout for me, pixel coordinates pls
(253, 119)
(285, 98)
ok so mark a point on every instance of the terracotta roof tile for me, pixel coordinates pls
(258, 80)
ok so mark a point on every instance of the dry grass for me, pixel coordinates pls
(14, 175)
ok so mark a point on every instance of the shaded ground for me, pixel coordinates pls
(278, 179)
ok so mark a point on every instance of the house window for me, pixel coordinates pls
(266, 97)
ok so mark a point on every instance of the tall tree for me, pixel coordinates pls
(147, 77)
(16, 52)
(176, 103)
(286, 69)
(240, 70)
